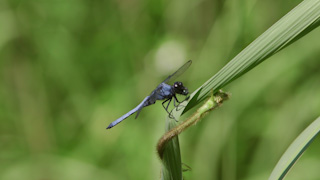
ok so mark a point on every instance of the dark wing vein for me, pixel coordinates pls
(180, 71)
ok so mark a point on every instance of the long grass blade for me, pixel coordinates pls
(295, 150)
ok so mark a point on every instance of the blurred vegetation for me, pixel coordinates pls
(69, 68)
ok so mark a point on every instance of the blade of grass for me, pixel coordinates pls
(295, 150)
(171, 161)
(298, 22)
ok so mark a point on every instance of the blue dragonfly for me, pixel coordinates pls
(163, 91)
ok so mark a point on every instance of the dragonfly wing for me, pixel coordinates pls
(180, 71)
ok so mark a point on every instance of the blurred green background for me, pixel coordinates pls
(69, 68)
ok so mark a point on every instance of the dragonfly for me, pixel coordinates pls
(163, 91)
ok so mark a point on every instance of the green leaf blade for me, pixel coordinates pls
(295, 150)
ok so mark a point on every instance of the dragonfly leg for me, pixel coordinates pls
(171, 116)
(175, 97)
(176, 101)
(179, 102)
(164, 102)
(174, 104)
(166, 108)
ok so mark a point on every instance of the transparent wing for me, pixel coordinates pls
(180, 71)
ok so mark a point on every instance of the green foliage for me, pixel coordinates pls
(69, 68)
(171, 158)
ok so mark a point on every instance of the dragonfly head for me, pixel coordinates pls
(180, 89)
